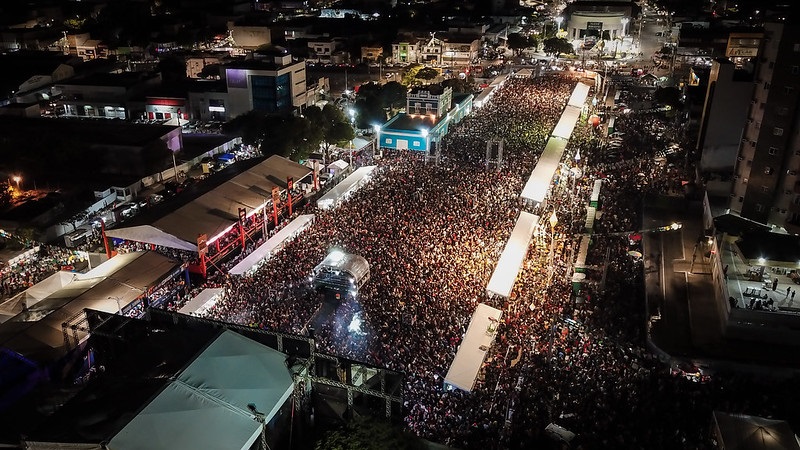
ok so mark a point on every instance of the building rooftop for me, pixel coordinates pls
(410, 122)
(106, 132)
(125, 79)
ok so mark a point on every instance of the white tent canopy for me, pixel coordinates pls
(204, 300)
(510, 262)
(569, 118)
(265, 250)
(538, 184)
(743, 432)
(210, 399)
(342, 190)
(151, 235)
(472, 351)
(579, 95)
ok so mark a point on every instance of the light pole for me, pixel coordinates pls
(553, 223)
(624, 21)
(559, 19)
(377, 129)
(17, 179)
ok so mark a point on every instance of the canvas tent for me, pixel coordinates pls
(569, 118)
(342, 190)
(193, 393)
(510, 262)
(202, 301)
(36, 333)
(265, 250)
(538, 184)
(479, 337)
(151, 235)
(579, 95)
(217, 210)
(743, 432)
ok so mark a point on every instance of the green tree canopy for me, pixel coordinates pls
(427, 73)
(557, 46)
(518, 42)
(368, 434)
(393, 95)
(459, 85)
(333, 125)
(410, 74)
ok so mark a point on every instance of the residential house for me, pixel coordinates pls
(371, 53)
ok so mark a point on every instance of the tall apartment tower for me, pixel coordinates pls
(766, 185)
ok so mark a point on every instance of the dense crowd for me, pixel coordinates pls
(432, 234)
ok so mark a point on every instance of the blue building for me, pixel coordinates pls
(429, 113)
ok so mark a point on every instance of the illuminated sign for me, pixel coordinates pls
(747, 52)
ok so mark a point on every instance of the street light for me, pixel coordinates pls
(17, 179)
(377, 129)
(624, 21)
(559, 19)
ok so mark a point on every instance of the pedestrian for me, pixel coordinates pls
(775, 284)
(788, 291)
(793, 292)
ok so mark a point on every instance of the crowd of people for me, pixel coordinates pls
(432, 234)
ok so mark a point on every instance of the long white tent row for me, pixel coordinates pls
(510, 262)
(583, 252)
(346, 187)
(207, 298)
(579, 95)
(472, 351)
(569, 118)
(591, 212)
(264, 251)
(538, 184)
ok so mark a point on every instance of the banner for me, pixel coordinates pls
(202, 244)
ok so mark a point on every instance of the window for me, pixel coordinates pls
(773, 150)
(768, 170)
(777, 131)
(759, 207)
(765, 189)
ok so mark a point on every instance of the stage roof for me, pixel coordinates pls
(473, 348)
(210, 399)
(345, 187)
(37, 332)
(536, 188)
(265, 250)
(184, 388)
(505, 274)
(218, 209)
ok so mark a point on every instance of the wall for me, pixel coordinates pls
(724, 117)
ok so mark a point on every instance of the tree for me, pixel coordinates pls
(334, 127)
(369, 111)
(289, 136)
(393, 95)
(427, 73)
(365, 433)
(518, 42)
(459, 85)
(557, 46)
(410, 74)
